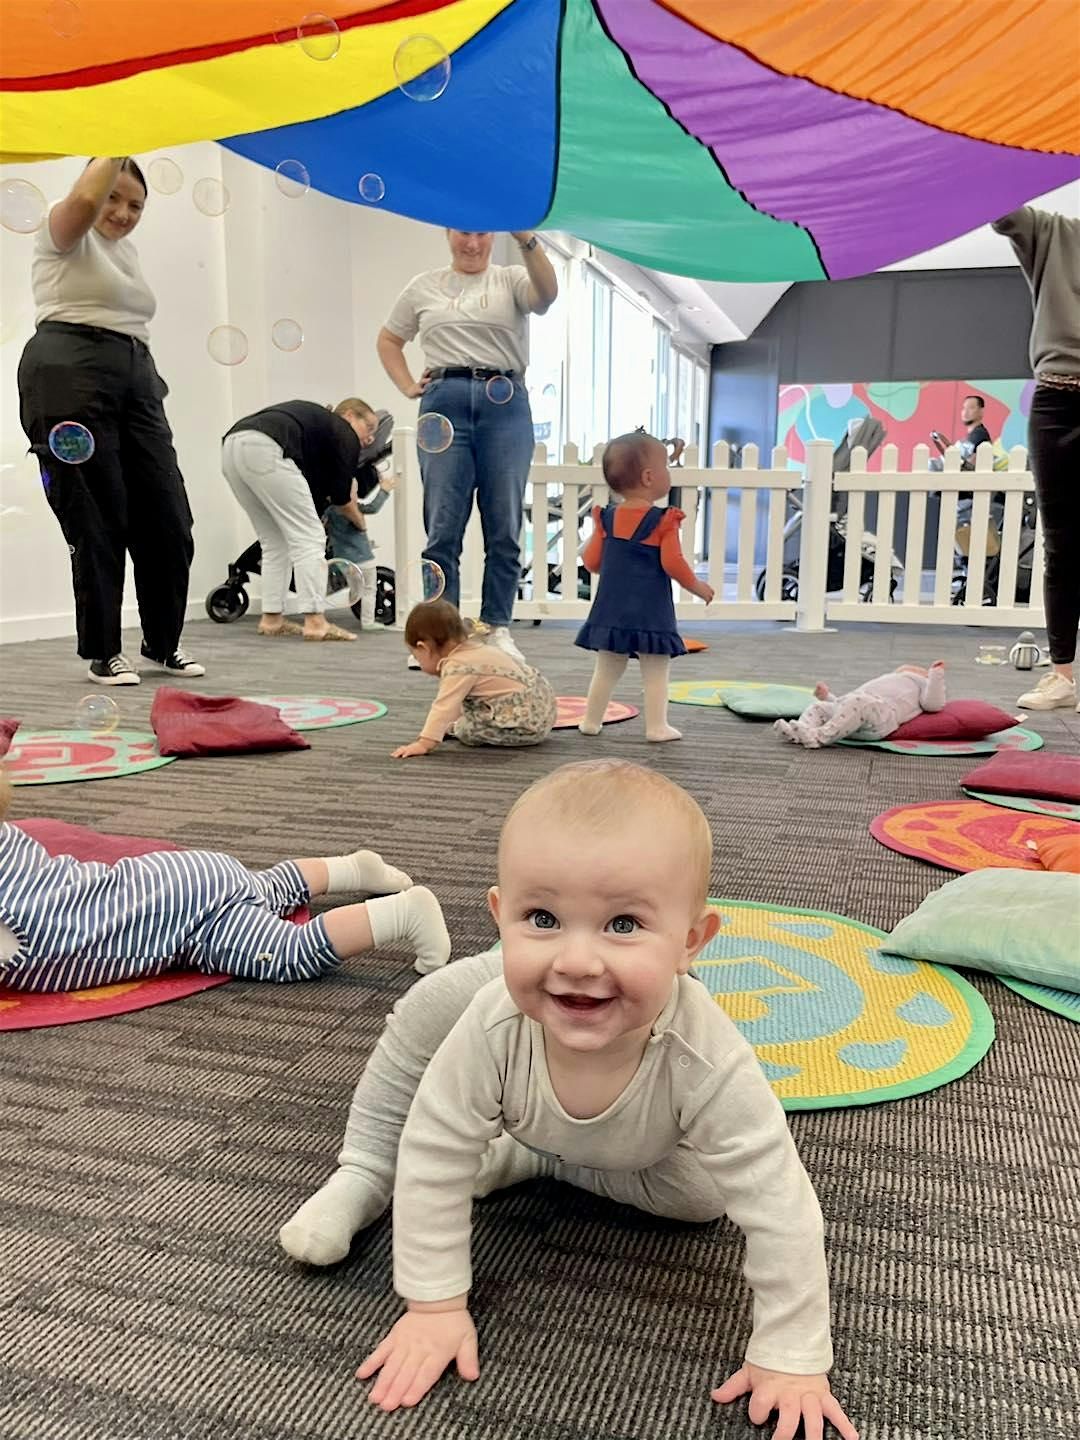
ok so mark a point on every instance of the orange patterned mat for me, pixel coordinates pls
(966, 834)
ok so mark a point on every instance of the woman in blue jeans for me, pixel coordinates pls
(472, 321)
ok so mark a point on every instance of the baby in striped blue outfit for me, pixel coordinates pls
(67, 924)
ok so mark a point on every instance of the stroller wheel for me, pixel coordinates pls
(385, 597)
(227, 603)
(789, 585)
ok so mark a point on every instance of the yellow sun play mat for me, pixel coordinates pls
(833, 1019)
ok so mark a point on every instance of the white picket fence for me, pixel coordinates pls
(760, 585)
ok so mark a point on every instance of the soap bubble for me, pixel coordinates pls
(292, 179)
(97, 713)
(422, 67)
(227, 344)
(287, 335)
(165, 175)
(71, 442)
(434, 433)
(432, 580)
(500, 389)
(371, 188)
(345, 583)
(319, 36)
(22, 207)
(210, 196)
(64, 19)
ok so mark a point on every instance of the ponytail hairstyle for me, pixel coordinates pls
(436, 622)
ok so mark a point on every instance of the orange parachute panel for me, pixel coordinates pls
(1007, 71)
(57, 37)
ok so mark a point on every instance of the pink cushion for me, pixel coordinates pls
(8, 726)
(1035, 774)
(188, 725)
(959, 720)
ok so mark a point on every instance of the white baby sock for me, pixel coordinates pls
(413, 915)
(322, 1230)
(365, 871)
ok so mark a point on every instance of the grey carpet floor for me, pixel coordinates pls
(147, 1161)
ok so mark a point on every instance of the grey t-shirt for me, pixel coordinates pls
(475, 320)
(1048, 248)
(96, 282)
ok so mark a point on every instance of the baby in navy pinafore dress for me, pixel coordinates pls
(635, 549)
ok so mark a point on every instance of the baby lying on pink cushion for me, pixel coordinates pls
(871, 712)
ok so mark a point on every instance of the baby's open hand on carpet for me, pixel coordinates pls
(416, 1352)
(796, 1397)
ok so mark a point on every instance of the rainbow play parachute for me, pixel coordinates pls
(726, 139)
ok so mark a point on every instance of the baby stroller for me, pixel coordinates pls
(992, 569)
(229, 601)
(869, 433)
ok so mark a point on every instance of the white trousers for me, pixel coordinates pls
(277, 501)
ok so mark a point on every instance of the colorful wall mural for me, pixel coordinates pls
(909, 410)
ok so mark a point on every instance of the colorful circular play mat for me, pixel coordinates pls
(572, 709)
(1058, 809)
(707, 692)
(314, 712)
(833, 1020)
(1061, 1002)
(52, 757)
(1018, 738)
(965, 834)
(21, 1011)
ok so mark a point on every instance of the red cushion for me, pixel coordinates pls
(81, 843)
(959, 720)
(60, 838)
(8, 726)
(1035, 774)
(186, 724)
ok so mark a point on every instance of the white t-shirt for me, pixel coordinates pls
(96, 282)
(477, 320)
(699, 1082)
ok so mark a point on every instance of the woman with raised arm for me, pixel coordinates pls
(472, 321)
(118, 489)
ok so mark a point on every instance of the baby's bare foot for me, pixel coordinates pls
(663, 735)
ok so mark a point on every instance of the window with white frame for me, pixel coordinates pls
(604, 362)
(548, 366)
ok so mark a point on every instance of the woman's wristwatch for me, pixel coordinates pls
(529, 244)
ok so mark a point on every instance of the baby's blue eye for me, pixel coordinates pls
(542, 920)
(623, 925)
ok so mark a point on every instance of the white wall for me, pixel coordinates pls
(333, 268)
(983, 247)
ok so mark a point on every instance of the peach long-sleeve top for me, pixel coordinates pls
(500, 675)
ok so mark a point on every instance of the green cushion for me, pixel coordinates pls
(767, 702)
(1023, 923)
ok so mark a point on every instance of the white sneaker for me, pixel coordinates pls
(117, 670)
(1053, 692)
(502, 640)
